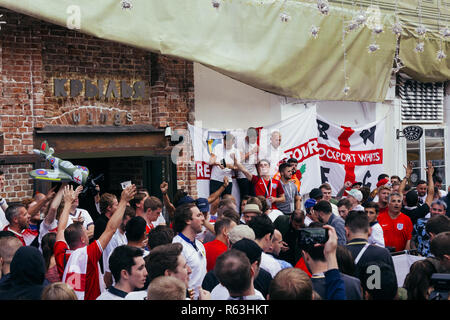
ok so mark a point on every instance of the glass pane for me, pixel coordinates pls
(415, 176)
(435, 151)
(413, 145)
(434, 143)
(437, 155)
(434, 133)
(414, 156)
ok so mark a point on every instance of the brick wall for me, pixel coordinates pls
(33, 53)
(18, 184)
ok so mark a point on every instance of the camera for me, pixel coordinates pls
(441, 284)
(310, 236)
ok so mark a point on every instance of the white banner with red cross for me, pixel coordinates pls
(352, 154)
(298, 140)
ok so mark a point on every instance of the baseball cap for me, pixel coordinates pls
(251, 207)
(382, 182)
(252, 250)
(310, 203)
(184, 200)
(240, 232)
(202, 204)
(315, 193)
(355, 194)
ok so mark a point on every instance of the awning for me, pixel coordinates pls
(285, 47)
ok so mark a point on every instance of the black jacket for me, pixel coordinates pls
(27, 276)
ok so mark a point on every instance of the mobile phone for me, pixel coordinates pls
(125, 184)
(311, 236)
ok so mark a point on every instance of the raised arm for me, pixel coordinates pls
(240, 167)
(116, 219)
(405, 180)
(430, 191)
(213, 197)
(49, 196)
(53, 208)
(341, 192)
(69, 197)
(169, 206)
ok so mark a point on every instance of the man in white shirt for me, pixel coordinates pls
(355, 196)
(128, 268)
(119, 238)
(249, 156)
(376, 236)
(326, 191)
(188, 222)
(273, 153)
(222, 164)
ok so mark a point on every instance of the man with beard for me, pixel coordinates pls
(19, 220)
(397, 227)
(293, 198)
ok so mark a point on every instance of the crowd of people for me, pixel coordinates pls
(215, 248)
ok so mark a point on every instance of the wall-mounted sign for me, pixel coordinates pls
(101, 89)
(411, 133)
(117, 119)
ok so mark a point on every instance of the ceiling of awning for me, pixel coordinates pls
(286, 47)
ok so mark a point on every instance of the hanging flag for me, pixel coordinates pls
(352, 154)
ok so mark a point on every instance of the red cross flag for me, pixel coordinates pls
(352, 154)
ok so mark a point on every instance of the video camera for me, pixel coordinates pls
(308, 237)
(441, 285)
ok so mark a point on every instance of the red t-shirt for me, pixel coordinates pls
(267, 188)
(213, 249)
(92, 273)
(301, 264)
(384, 210)
(62, 254)
(396, 231)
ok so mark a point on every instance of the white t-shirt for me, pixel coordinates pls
(274, 214)
(221, 293)
(334, 209)
(250, 163)
(3, 221)
(159, 221)
(270, 264)
(83, 213)
(196, 260)
(137, 295)
(217, 173)
(117, 240)
(106, 295)
(377, 235)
